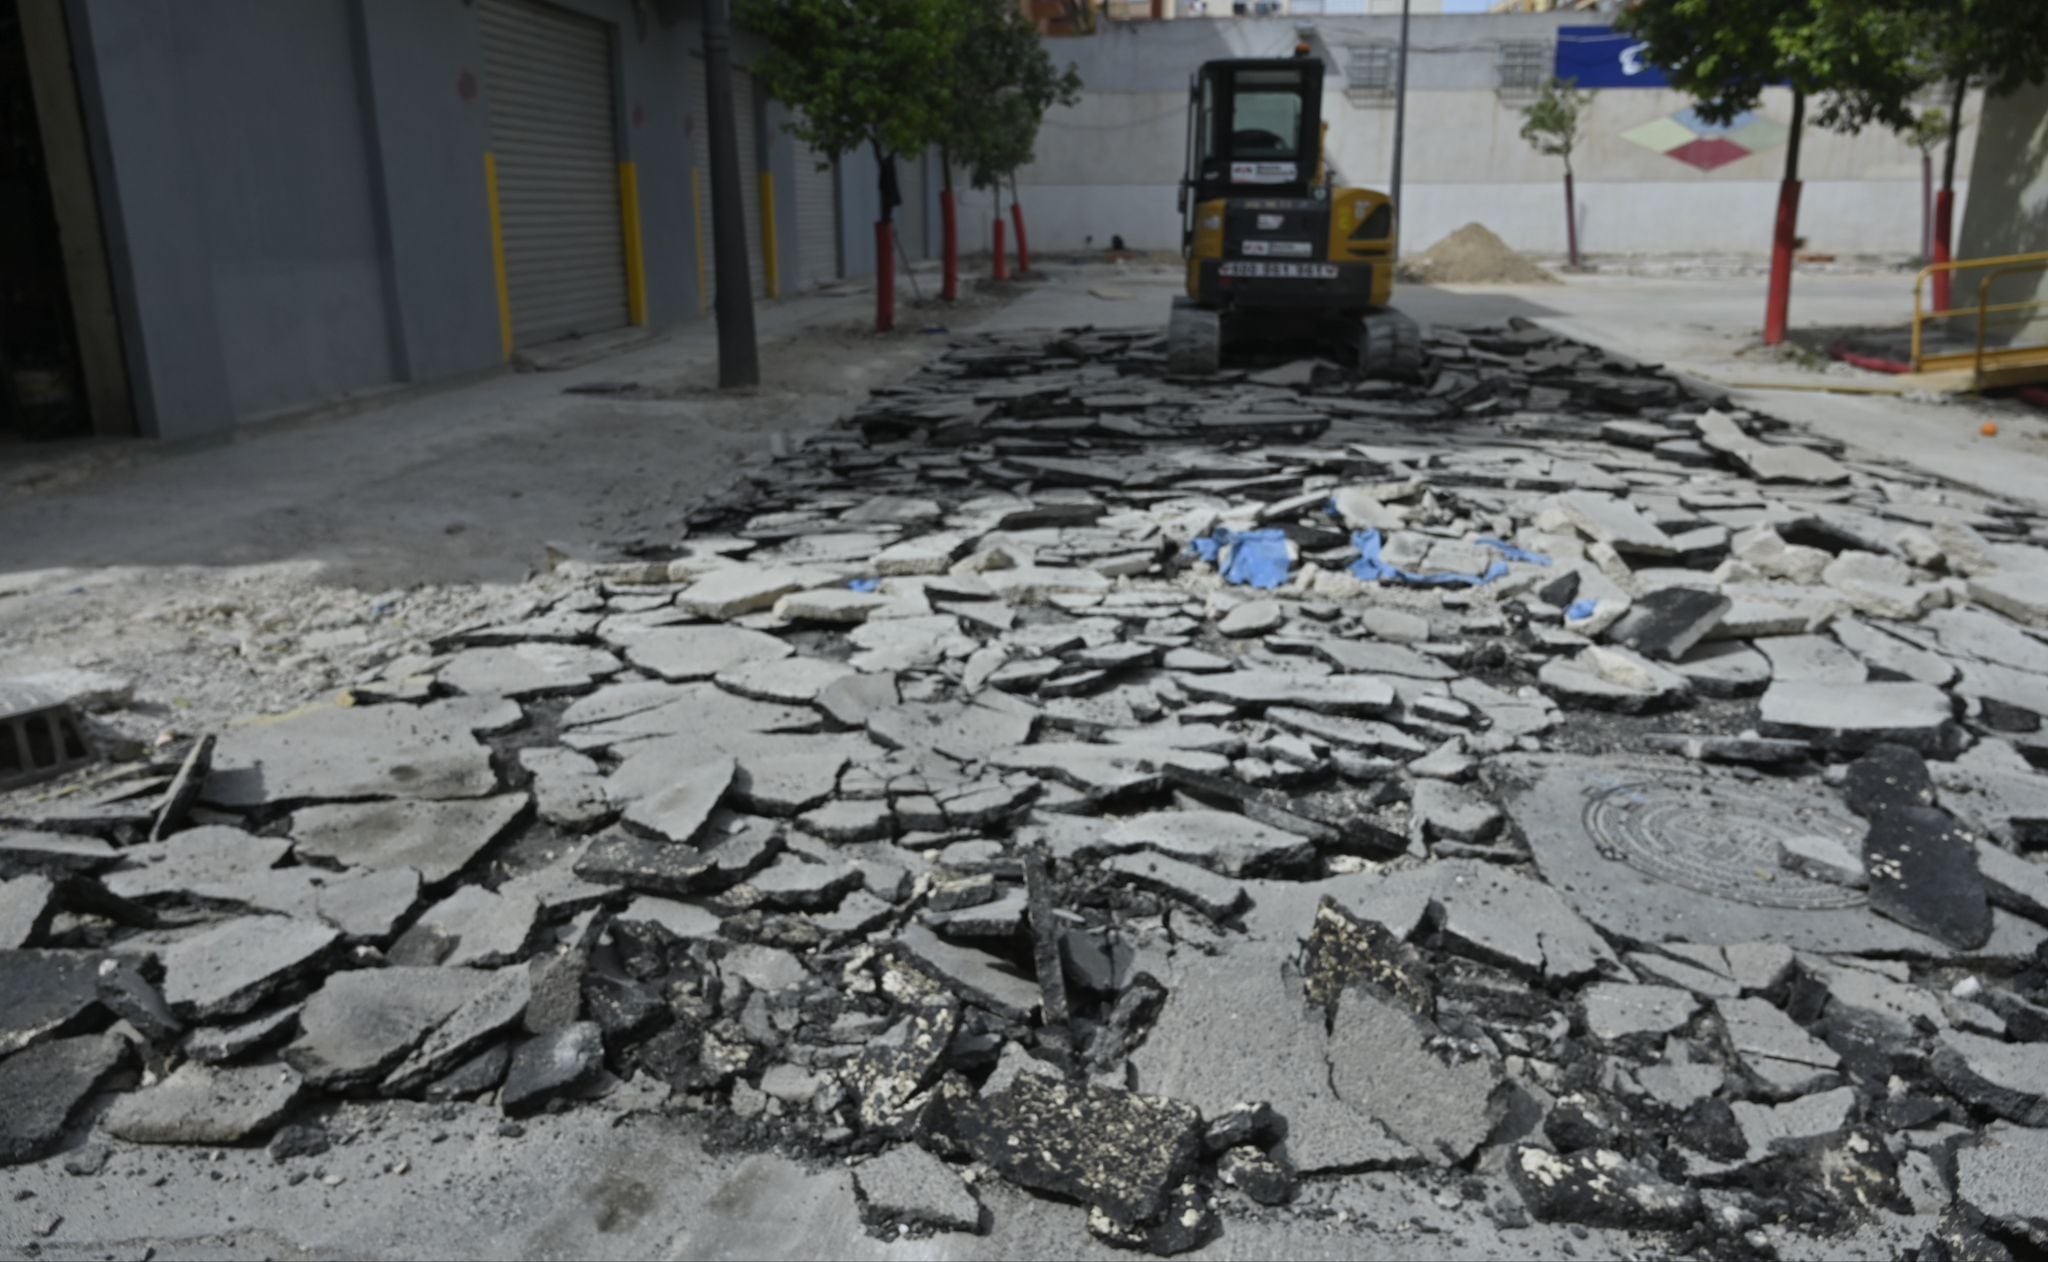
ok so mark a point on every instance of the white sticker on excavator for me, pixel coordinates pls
(1262, 173)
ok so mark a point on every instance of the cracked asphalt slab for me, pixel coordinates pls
(1069, 810)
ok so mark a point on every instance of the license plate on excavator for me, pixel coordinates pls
(1281, 271)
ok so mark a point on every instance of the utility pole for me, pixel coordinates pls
(1400, 120)
(739, 364)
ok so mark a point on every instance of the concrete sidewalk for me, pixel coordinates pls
(462, 483)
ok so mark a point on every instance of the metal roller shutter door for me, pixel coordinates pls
(817, 220)
(548, 76)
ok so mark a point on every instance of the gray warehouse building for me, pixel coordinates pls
(216, 212)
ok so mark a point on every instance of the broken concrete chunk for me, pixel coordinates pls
(2009, 1079)
(1598, 1187)
(1119, 1152)
(2021, 595)
(1454, 812)
(734, 590)
(973, 975)
(44, 994)
(2004, 1176)
(1217, 897)
(530, 669)
(472, 928)
(552, 1065)
(1823, 858)
(193, 858)
(26, 905)
(1756, 1028)
(362, 1022)
(1391, 1065)
(1222, 841)
(230, 969)
(435, 839)
(700, 652)
(1605, 519)
(1618, 1010)
(1923, 874)
(41, 1089)
(907, 1185)
(680, 810)
(377, 751)
(498, 1005)
(201, 1105)
(54, 855)
(1775, 1128)
(1849, 718)
(1665, 625)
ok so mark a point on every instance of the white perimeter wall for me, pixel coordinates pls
(1110, 165)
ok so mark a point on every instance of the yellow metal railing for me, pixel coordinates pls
(1983, 360)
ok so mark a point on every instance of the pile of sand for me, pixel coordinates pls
(1472, 256)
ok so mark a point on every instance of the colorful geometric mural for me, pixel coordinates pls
(1698, 143)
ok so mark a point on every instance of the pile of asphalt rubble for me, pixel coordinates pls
(1534, 783)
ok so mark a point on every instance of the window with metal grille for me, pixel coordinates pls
(1522, 66)
(1369, 71)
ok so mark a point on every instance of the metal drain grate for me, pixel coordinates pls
(40, 736)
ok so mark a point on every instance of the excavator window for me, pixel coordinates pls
(1254, 129)
(1267, 116)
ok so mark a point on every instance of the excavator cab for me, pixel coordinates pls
(1267, 231)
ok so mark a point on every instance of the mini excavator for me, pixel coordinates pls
(1273, 246)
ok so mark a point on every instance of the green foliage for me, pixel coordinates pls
(1859, 61)
(1998, 45)
(1552, 122)
(874, 73)
(1002, 82)
(1929, 129)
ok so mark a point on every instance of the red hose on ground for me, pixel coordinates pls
(1869, 363)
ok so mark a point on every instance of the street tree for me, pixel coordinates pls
(1852, 62)
(1552, 124)
(873, 74)
(1003, 83)
(1997, 45)
(1930, 128)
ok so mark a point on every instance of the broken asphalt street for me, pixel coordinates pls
(1593, 822)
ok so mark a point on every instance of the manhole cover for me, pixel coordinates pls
(1718, 843)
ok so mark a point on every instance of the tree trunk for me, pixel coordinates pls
(1571, 216)
(1017, 218)
(949, 226)
(1002, 268)
(1926, 207)
(1945, 201)
(1778, 306)
(885, 241)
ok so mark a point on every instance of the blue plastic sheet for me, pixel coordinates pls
(1580, 610)
(1372, 569)
(1257, 558)
(1513, 553)
(864, 584)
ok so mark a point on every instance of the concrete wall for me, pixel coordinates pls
(2008, 208)
(295, 199)
(1110, 165)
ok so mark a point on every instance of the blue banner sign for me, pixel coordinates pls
(1602, 57)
